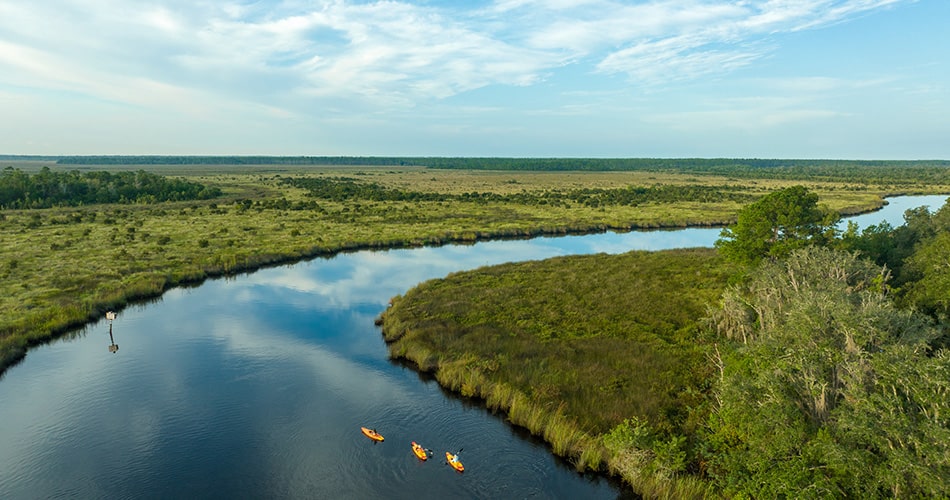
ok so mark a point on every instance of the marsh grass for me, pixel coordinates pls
(570, 347)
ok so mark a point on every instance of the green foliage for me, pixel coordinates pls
(917, 251)
(931, 292)
(776, 224)
(830, 386)
(927, 282)
(48, 189)
(351, 189)
(892, 433)
(892, 246)
(633, 432)
(634, 441)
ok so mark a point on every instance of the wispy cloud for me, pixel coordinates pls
(380, 53)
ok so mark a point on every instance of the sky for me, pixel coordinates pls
(841, 79)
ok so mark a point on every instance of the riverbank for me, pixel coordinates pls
(63, 267)
(570, 348)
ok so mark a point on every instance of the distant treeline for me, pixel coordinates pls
(349, 189)
(29, 158)
(867, 171)
(236, 160)
(48, 189)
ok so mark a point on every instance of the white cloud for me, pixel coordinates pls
(394, 52)
(295, 70)
(686, 40)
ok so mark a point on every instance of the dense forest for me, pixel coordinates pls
(49, 189)
(498, 163)
(833, 373)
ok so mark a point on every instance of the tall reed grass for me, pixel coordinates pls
(619, 341)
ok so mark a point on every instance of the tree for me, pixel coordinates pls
(776, 224)
(833, 391)
(928, 267)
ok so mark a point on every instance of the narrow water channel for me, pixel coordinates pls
(256, 387)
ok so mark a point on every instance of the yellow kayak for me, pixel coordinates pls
(419, 451)
(372, 434)
(453, 460)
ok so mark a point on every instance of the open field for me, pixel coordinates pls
(63, 266)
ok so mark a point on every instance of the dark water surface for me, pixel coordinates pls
(256, 387)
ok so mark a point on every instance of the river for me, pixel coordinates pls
(256, 386)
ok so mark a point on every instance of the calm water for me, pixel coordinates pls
(256, 387)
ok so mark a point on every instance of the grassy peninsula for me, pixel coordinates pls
(570, 347)
(819, 369)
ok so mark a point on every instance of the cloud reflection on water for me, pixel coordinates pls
(373, 277)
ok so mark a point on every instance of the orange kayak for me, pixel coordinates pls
(372, 434)
(453, 460)
(419, 451)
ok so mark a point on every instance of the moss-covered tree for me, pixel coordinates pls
(828, 390)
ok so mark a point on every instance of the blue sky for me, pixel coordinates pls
(851, 79)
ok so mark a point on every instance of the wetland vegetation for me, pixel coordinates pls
(641, 364)
(793, 368)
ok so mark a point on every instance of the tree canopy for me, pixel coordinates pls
(927, 286)
(48, 189)
(830, 390)
(776, 224)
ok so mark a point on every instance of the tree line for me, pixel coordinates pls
(864, 171)
(349, 189)
(45, 189)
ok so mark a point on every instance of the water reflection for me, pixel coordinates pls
(372, 278)
(893, 211)
(113, 347)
